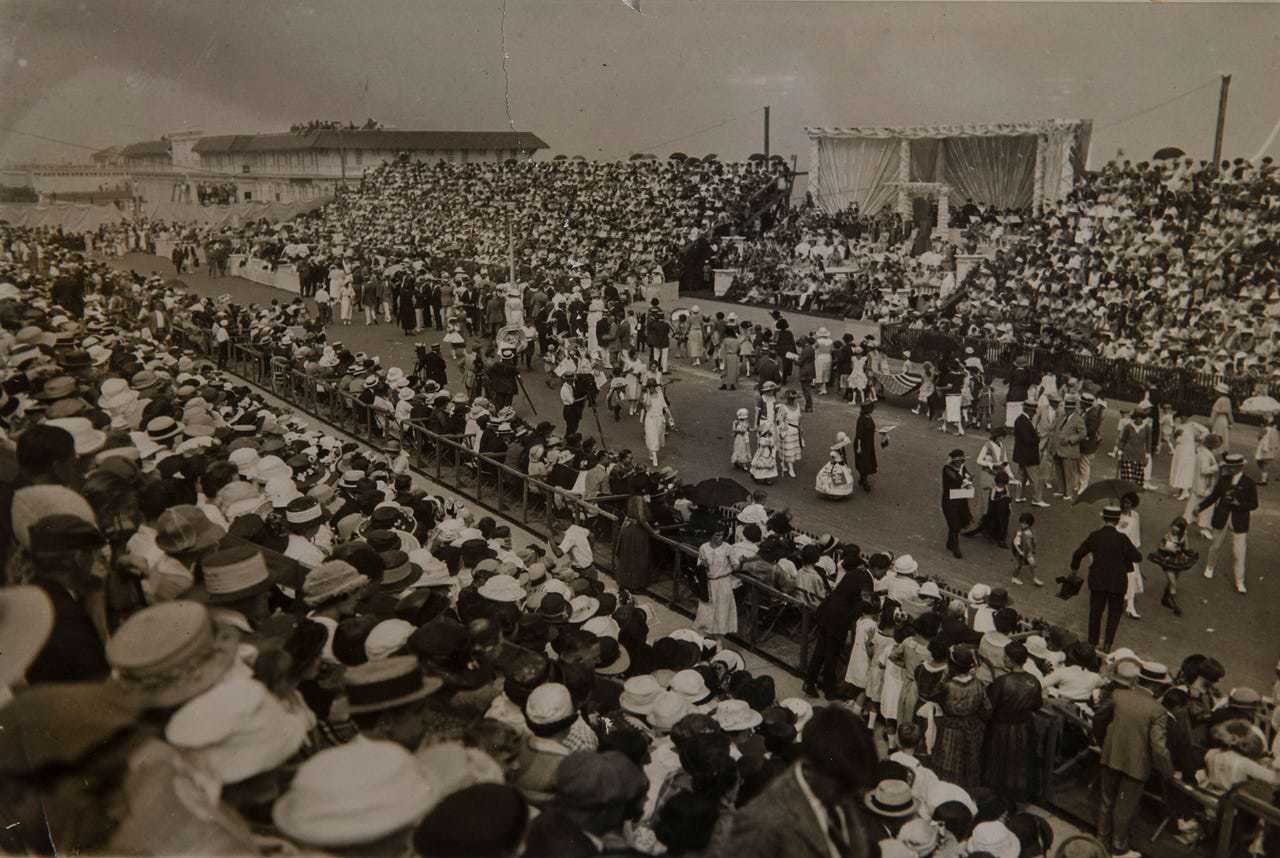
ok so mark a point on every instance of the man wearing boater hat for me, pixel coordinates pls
(1232, 499)
(1113, 556)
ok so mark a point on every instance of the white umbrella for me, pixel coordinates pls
(1260, 405)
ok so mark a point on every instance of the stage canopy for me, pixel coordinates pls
(1010, 165)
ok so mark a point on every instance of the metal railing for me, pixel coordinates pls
(772, 624)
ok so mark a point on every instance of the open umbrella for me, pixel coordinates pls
(1106, 490)
(1167, 152)
(718, 491)
(1260, 405)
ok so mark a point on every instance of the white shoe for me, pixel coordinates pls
(1208, 571)
(1240, 588)
(1039, 503)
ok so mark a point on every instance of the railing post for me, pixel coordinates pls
(1226, 822)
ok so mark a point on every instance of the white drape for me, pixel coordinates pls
(856, 170)
(997, 171)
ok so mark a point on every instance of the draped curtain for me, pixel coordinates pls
(926, 160)
(856, 170)
(997, 171)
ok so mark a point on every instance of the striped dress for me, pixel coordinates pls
(789, 433)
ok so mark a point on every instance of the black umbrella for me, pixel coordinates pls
(1104, 490)
(719, 491)
(1167, 152)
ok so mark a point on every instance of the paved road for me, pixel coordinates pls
(902, 513)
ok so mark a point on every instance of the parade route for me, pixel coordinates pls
(902, 513)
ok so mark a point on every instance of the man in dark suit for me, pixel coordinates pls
(1113, 557)
(1026, 454)
(834, 617)
(1233, 497)
(1133, 729)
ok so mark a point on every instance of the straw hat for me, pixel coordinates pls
(892, 798)
(236, 730)
(355, 793)
(735, 715)
(87, 439)
(502, 588)
(638, 694)
(387, 683)
(995, 838)
(667, 709)
(171, 652)
(330, 580)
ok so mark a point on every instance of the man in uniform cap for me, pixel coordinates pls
(1113, 556)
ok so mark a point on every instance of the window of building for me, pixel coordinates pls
(359, 156)
(244, 168)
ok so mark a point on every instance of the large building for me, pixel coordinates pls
(296, 166)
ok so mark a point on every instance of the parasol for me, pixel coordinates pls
(1167, 152)
(1260, 405)
(1106, 490)
(718, 491)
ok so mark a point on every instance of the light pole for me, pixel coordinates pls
(510, 208)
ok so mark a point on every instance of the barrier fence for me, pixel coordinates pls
(772, 623)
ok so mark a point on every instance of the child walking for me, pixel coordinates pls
(741, 457)
(1024, 549)
(1174, 558)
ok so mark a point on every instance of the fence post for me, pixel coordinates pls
(1227, 822)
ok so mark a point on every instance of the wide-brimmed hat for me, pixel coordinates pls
(236, 730)
(331, 580)
(667, 709)
(583, 608)
(995, 838)
(26, 619)
(387, 683)
(905, 565)
(734, 715)
(163, 428)
(769, 387)
(354, 793)
(87, 439)
(691, 685)
(892, 798)
(231, 574)
(59, 387)
(639, 693)
(185, 528)
(169, 653)
(502, 588)
(979, 593)
(549, 703)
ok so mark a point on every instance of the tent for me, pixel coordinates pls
(1009, 165)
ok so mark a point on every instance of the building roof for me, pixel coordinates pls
(142, 150)
(435, 140)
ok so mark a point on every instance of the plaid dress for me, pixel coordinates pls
(957, 756)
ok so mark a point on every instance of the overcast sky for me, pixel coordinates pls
(593, 77)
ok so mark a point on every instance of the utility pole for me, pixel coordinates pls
(766, 131)
(1222, 120)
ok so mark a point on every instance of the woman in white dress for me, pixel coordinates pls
(790, 436)
(822, 360)
(346, 298)
(696, 348)
(835, 479)
(1130, 525)
(858, 375)
(719, 614)
(656, 417)
(1182, 469)
(633, 368)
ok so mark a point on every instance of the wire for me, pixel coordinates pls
(1157, 106)
(52, 139)
(700, 131)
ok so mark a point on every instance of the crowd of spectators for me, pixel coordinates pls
(248, 634)
(1167, 263)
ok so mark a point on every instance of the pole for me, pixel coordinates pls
(766, 131)
(1222, 119)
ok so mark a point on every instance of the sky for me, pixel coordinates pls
(596, 78)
